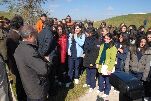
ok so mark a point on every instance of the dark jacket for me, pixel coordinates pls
(91, 50)
(33, 70)
(3, 48)
(121, 57)
(45, 41)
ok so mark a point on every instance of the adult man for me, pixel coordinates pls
(40, 22)
(32, 68)
(3, 58)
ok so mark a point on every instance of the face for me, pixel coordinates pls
(121, 38)
(104, 32)
(43, 18)
(59, 30)
(123, 29)
(142, 29)
(63, 21)
(68, 19)
(107, 39)
(32, 39)
(142, 43)
(77, 30)
(149, 38)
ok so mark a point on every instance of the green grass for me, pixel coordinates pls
(6, 14)
(130, 19)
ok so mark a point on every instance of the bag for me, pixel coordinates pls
(104, 70)
(127, 84)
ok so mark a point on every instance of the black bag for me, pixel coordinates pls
(127, 84)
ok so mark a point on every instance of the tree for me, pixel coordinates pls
(29, 9)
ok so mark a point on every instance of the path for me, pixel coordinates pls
(114, 96)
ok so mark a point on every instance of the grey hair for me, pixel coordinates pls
(27, 30)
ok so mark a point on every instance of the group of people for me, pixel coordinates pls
(59, 51)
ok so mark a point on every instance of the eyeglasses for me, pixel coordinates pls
(148, 37)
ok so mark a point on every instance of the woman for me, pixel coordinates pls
(62, 49)
(75, 52)
(135, 63)
(105, 64)
(122, 47)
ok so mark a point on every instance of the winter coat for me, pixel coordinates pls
(110, 58)
(121, 57)
(79, 44)
(91, 51)
(148, 62)
(45, 41)
(62, 47)
(132, 64)
(13, 39)
(3, 47)
(33, 70)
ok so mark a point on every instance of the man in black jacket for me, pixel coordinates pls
(32, 68)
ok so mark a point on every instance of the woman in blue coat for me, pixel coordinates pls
(75, 51)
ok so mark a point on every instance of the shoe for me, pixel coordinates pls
(76, 81)
(104, 95)
(146, 99)
(90, 90)
(85, 85)
(68, 84)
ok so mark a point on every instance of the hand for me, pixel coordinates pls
(109, 72)
(47, 58)
(120, 50)
(91, 65)
(97, 65)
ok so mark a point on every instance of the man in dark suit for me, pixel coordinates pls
(32, 67)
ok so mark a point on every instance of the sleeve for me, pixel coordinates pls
(47, 43)
(124, 54)
(100, 51)
(112, 58)
(38, 26)
(63, 49)
(127, 61)
(80, 41)
(147, 68)
(34, 61)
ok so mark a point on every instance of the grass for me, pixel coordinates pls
(130, 19)
(71, 93)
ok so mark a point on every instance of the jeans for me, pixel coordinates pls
(90, 77)
(73, 64)
(106, 87)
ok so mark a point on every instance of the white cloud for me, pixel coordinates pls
(139, 13)
(110, 8)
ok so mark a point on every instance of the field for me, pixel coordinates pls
(130, 19)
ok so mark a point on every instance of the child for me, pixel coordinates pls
(122, 47)
(91, 52)
(106, 58)
(75, 52)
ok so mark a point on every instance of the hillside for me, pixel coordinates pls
(6, 14)
(130, 19)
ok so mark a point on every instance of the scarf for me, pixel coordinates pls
(103, 54)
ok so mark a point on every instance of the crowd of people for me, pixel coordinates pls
(57, 52)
